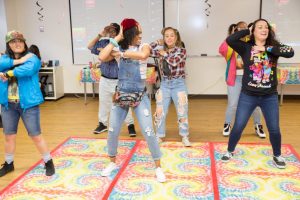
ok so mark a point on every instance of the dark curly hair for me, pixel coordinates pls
(271, 39)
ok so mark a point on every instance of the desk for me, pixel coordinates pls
(89, 75)
(287, 74)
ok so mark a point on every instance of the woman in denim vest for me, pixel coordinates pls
(130, 92)
(172, 58)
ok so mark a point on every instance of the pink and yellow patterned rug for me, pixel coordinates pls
(192, 173)
(78, 163)
(187, 170)
(251, 173)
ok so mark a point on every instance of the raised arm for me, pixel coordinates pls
(138, 55)
(281, 50)
(235, 42)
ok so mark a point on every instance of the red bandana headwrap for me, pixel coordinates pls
(128, 23)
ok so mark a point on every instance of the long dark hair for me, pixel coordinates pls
(271, 39)
(35, 50)
(11, 54)
(129, 35)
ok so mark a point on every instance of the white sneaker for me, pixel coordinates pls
(259, 131)
(110, 167)
(186, 142)
(160, 176)
(227, 129)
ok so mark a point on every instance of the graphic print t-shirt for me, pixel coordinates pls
(260, 77)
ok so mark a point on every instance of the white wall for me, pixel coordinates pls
(205, 75)
(3, 26)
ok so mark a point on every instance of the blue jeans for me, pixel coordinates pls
(270, 110)
(144, 116)
(30, 118)
(233, 94)
(174, 89)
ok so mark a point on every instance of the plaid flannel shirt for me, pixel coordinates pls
(175, 58)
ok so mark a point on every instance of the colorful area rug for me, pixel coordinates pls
(188, 172)
(251, 173)
(78, 163)
(192, 173)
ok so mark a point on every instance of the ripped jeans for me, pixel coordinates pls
(144, 117)
(174, 89)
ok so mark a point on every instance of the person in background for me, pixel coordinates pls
(172, 61)
(130, 92)
(234, 74)
(259, 86)
(108, 81)
(20, 97)
(35, 50)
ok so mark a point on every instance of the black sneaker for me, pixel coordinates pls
(227, 156)
(50, 170)
(1, 126)
(131, 130)
(279, 162)
(100, 128)
(6, 168)
(259, 131)
(227, 129)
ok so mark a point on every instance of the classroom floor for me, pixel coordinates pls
(71, 117)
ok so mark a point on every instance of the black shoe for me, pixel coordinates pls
(50, 170)
(101, 128)
(6, 168)
(131, 130)
(227, 156)
(279, 162)
(1, 126)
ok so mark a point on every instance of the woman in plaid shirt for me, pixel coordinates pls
(172, 62)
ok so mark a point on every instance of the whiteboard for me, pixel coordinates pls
(89, 17)
(284, 15)
(203, 24)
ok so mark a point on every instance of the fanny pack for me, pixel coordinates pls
(124, 99)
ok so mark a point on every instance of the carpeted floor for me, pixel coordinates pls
(192, 173)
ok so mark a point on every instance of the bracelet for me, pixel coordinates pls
(269, 48)
(113, 42)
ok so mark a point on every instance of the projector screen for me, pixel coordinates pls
(89, 17)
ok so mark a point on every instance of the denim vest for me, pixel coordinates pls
(130, 76)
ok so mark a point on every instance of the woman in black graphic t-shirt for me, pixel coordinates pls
(259, 84)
